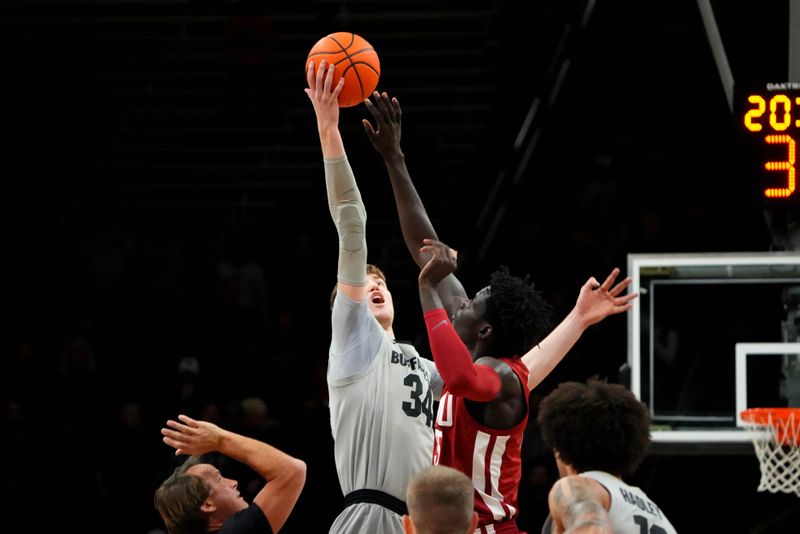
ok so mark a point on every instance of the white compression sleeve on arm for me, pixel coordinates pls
(350, 218)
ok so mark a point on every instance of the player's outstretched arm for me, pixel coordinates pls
(595, 302)
(414, 221)
(385, 137)
(344, 199)
(286, 475)
(323, 96)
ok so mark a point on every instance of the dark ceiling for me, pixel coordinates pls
(188, 120)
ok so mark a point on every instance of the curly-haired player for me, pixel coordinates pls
(484, 406)
(599, 433)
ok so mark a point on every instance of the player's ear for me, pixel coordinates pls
(408, 526)
(485, 331)
(208, 506)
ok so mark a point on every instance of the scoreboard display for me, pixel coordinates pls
(769, 120)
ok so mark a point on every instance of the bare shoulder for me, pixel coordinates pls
(577, 487)
(578, 503)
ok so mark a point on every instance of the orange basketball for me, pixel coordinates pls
(355, 59)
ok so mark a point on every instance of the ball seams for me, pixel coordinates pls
(348, 57)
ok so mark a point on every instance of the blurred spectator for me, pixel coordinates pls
(189, 396)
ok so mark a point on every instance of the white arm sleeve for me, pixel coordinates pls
(356, 338)
(350, 218)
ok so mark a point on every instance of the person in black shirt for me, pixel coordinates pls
(197, 499)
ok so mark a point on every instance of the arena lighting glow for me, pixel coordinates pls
(772, 118)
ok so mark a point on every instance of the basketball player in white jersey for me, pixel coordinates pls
(381, 392)
(599, 433)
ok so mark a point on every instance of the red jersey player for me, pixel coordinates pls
(484, 406)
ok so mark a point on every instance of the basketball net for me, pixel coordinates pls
(775, 433)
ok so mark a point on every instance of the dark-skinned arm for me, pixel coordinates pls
(414, 221)
(595, 302)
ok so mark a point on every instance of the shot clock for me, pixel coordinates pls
(770, 123)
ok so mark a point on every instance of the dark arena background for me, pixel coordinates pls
(169, 249)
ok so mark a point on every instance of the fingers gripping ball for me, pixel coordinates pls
(355, 59)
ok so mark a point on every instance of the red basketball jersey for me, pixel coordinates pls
(489, 456)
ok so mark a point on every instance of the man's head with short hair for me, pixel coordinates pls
(372, 271)
(440, 501)
(379, 298)
(180, 497)
(197, 497)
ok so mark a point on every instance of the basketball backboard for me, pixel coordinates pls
(707, 339)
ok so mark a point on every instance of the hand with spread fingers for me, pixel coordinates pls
(189, 436)
(386, 133)
(597, 301)
(208, 504)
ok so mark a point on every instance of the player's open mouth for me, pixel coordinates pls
(377, 299)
